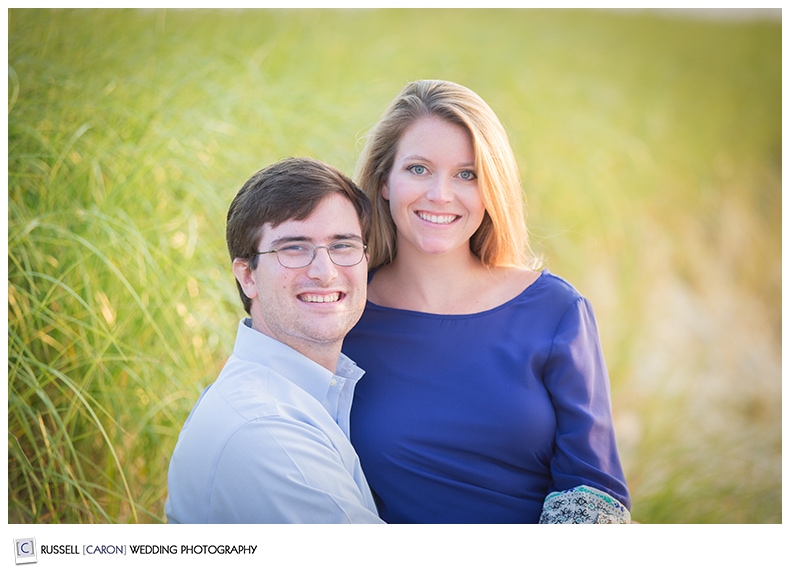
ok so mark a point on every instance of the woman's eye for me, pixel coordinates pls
(417, 169)
(467, 175)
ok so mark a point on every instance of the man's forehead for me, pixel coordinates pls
(304, 230)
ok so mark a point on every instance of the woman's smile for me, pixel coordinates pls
(435, 218)
(432, 188)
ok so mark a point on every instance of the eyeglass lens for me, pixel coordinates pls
(342, 253)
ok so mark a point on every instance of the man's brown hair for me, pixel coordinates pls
(290, 189)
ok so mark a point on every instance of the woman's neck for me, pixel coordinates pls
(447, 284)
(442, 284)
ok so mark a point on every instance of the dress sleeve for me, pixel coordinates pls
(585, 452)
(277, 470)
(583, 505)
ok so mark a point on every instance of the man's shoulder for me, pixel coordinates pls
(234, 409)
(250, 389)
(255, 391)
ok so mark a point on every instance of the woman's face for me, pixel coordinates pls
(432, 188)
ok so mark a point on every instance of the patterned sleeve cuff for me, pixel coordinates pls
(583, 505)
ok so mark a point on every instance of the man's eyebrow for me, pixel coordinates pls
(346, 236)
(289, 239)
(298, 238)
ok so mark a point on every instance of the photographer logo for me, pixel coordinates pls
(25, 550)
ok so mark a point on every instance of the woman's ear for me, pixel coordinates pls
(385, 191)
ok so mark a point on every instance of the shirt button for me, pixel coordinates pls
(333, 382)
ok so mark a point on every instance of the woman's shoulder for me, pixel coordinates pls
(510, 283)
(558, 285)
(542, 282)
(551, 294)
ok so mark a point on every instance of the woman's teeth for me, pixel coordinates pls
(442, 219)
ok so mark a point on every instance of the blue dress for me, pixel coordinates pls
(476, 418)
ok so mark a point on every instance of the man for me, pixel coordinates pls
(268, 441)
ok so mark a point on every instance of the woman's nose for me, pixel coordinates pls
(440, 191)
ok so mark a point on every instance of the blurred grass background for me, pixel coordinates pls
(650, 149)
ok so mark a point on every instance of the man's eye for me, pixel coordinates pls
(345, 246)
(294, 248)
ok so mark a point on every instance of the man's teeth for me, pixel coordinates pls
(437, 218)
(320, 298)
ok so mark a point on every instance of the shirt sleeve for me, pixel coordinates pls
(578, 383)
(279, 470)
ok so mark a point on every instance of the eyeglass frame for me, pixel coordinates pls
(316, 248)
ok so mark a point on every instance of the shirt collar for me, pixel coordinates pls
(254, 346)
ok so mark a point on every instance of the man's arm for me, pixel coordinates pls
(276, 470)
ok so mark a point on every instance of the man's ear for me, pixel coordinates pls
(243, 273)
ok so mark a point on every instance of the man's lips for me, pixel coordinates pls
(313, 297)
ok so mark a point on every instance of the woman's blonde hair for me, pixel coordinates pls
(502, 239)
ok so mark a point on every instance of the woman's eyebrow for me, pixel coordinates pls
(465, 164)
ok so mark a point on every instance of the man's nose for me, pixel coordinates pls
(322, 267)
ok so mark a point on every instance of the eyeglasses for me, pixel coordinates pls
(298, 254)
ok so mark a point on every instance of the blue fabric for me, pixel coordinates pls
(476, 418)
(268, 443)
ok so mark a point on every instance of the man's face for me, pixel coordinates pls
(312, 308)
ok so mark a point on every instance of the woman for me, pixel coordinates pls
(486, 396)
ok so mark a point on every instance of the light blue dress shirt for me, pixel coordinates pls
(268, 442)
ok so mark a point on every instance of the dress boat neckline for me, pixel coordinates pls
(494, 309)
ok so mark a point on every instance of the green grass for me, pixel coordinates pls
(650, 150)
